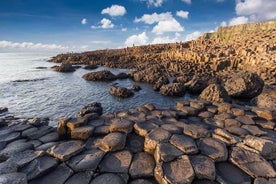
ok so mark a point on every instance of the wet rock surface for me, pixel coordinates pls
(197, 142)
(64, 67)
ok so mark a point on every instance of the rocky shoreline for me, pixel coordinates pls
(227, 135)
(194, 142)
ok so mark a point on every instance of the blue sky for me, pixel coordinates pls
(76, 25)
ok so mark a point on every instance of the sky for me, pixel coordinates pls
(80, 25)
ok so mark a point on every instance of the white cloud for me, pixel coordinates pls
(238, 20)
(165, 22)
(154, 18)
(105, 24)
(167, 39)
(182, 14)
(101, 41)
(114, 10)
(9, 45)
(140, 39)
(167, 26)
(257, 10)
(192, 36)
(124, 29)
(187, 1)
(156, 3)
(84, 21)
(223, 24)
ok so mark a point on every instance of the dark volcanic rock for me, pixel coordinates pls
(244, 85)
(94, 107)
(39, 167)
(57, 176)
(103, 75)
(13, 178)
(90, 67)
(3, 109)
(228, 173)
(215, 93)
(122, 75)
(64, 67)
(174, 89)
(108, 178)
(120, 162)
(120, 92)
(251, 163)
(142, 165)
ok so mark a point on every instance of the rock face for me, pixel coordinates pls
(103, 75)
(120, 92)
(65, 67)
(174, 89)
(214, 93)
(244, 85)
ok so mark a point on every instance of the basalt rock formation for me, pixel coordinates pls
(248, 47)
(194, 142)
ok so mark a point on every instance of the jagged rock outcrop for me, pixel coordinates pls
(64, 67)
(121, 92)
(214, 93)
(103, 75)
(244, 85)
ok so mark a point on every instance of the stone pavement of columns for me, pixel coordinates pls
(195, 142)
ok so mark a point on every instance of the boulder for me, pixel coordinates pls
(103, 75)
(94, 107)
(265, 99)
(174, 89)
(215, 93)
(120, 92)
(90, 67)
(64, 67)
(122, 75)
(244, 85)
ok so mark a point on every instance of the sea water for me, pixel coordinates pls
(46, 93)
